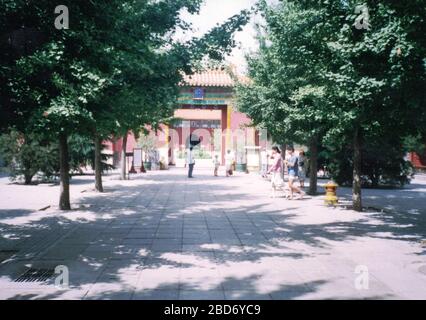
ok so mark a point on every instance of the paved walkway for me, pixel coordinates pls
(163, 236)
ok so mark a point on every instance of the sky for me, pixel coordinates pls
(218, 11)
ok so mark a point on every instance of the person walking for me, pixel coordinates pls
(264, 162)
(190, 161)
(216, 163)
(229, 161)
(293, 168)
(277, 164)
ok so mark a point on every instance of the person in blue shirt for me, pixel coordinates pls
(293, 172)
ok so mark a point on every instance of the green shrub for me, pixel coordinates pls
(28, 155)
(383, 163)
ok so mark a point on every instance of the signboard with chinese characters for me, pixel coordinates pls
(137, 158)
(198, 94)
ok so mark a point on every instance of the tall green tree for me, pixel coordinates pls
(338, 71)
(288, 92)
(49, 84)
(378, 72)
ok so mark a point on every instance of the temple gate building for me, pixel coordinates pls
(205, 114)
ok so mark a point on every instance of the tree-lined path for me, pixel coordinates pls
(162, 236)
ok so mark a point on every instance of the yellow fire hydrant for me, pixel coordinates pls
(331, 195)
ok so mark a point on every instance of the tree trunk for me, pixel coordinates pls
(28, 178)
(123, 174)
(356, 192)
(313, 167)
(98, 164)
(64, 198)
(283, 150)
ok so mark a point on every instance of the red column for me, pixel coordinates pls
(256, 138)
(224, 127)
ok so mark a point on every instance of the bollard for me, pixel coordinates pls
(331, 195)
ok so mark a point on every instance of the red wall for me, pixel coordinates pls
(239, 120)
(419, 161)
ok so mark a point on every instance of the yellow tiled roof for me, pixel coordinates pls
(209, 78)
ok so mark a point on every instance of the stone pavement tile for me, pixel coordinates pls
(171, 221)
(256, 232)
(40, 245)
(140, 234)
(99, 251)
(156, 295)
(164, 247)
(197, 236)
(108, 239)
(130, 252)
(42, 294)
(115, 233)
(140, 241)
(125, 275)
(177, 240)
(196, 241)
(195, 230)
(222, 257)
(252, 241)
(20, 240)
(120, 255)
(271, 235)
(290, 291)
(247, 283)
(222, 232)
(147, 223)
(197, 248)
(229, 240)
(114, 296)
(334, 291)
(24, 255)
(177, 236)
(217, 227)
(201, 295)
(156, 279)
(79, 237)
(202, 277)
(169, 229)
(62, 252)
(198, 258)
(246, 295)
(153, 263)
(109, 291)
(118, 225)
(245, 229)
(194, 222)
(377, 288)
(189, 233)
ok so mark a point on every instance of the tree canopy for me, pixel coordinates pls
(115, 69)
(339, 73)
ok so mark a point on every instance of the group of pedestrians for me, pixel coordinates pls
(294, 165)
(229, 163)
